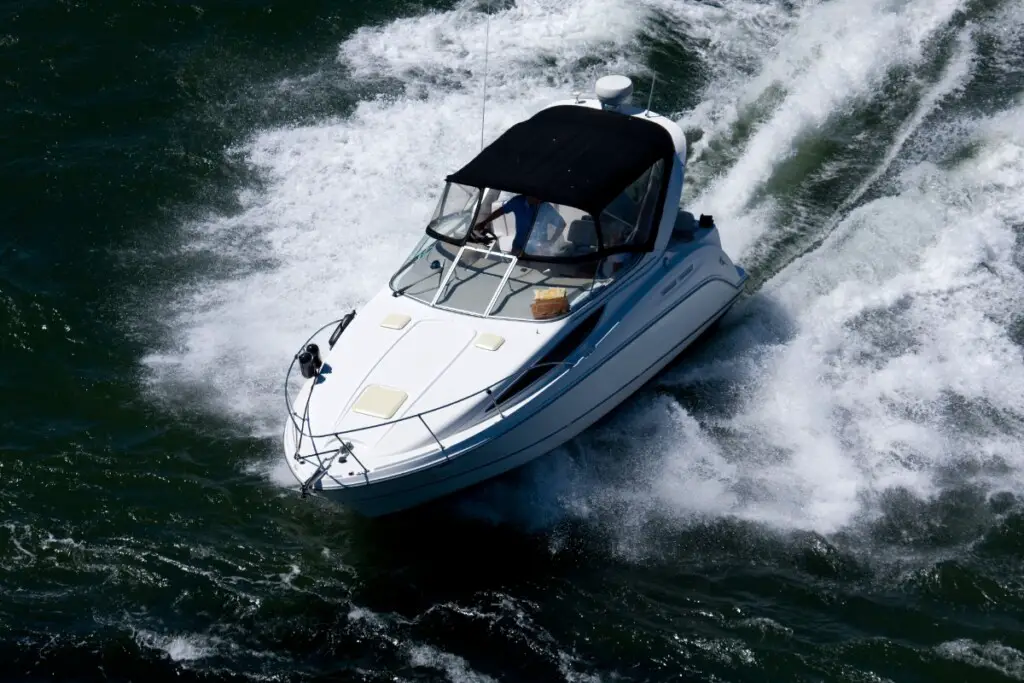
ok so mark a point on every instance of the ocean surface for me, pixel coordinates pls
(831, 488)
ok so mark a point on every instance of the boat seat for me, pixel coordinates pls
(571, 214)
(582, 233)
(582, 236)
(579, 232)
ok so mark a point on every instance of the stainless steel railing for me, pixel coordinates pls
(302, 427)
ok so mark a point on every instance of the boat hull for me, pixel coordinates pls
(590, 391)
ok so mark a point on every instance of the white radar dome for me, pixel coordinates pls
(614, 91)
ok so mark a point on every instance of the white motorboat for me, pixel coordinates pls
(496, 341)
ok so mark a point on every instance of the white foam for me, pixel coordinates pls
(843, 364)
(907, 306)
(182, 648)
(733, 41)
(454, 667)
(450, 45)
(346, 199)
(992, 655)
(852, 369)
(836, 54)
(953, 79)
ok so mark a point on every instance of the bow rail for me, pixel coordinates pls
(302, 427)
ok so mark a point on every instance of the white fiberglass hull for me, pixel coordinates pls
(577, 400)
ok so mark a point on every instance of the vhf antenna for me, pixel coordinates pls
(650, 97)
(487, 43)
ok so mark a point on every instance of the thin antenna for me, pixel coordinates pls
(650, 97)
(487, 44)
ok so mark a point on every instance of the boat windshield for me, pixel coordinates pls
(524, 259)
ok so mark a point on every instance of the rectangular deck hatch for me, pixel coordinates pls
(395, 321)
(380, 402)
(488, 341)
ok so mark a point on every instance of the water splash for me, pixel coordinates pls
(882, 360)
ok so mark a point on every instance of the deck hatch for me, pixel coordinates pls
(488, 341)
(380, 402)
(395, 321)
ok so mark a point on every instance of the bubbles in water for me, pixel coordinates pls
(346, 199)
(881, 360)
(836, 54)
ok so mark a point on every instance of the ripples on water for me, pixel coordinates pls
(828, 488)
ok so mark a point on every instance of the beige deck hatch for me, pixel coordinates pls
(381, 402)
(488, 341)
(395, 321)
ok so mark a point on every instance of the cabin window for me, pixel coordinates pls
(627, 220)
(563, 232)
(562, 350)
(650, 203)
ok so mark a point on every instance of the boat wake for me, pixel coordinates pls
(872, 371)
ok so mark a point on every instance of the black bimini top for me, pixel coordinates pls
(570, 155)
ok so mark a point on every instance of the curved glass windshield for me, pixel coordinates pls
(500, 254)
(480, 280)
(454, 213)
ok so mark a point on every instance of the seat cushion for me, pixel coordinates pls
(582, 233)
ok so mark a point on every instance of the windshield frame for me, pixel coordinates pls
(439, 215)
(605, 277)
(431, 266)
(649, 210)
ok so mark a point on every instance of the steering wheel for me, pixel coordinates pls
(483, 231)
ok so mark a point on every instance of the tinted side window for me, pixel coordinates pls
(649, 204)
(562, 350)
(627, 220)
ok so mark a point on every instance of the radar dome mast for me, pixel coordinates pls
(614, 91)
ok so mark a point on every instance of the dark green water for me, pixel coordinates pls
(827, 490)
